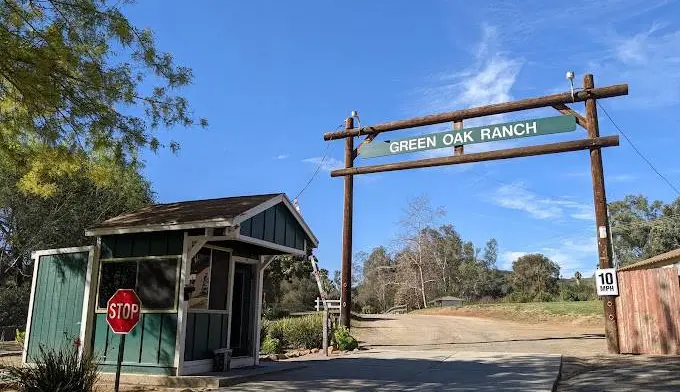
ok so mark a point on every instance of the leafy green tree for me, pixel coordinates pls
(30, 222)
(378, 285)
(534, 278)
(641, 229)
(81, 90)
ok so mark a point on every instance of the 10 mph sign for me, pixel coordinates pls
(122, 311)
(606, 282)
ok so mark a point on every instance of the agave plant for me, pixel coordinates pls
(58, 370)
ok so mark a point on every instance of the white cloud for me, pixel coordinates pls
(507, 258)
(645, 60)
(572, 254)
(326, 164)
(514, 196)
(621, 178)
(488, 80)
(281, 156)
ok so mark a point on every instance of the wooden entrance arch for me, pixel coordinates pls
(589, 94)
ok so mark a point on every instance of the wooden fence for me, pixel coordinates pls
(648, 310)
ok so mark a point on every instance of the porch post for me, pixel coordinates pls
(182, 305)
(258, 309)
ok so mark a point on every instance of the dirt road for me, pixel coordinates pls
(423, 332)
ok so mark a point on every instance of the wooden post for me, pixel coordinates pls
(325, 331)
(458, 150)
(601, 219)
(346, 289)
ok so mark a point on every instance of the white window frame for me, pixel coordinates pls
(137, 259)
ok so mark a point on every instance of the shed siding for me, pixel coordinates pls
(276, 225)
(150, 347)
(648, 312)
(58, 302)
(165, 243)
(205, 333)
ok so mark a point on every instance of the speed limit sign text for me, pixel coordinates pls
(606, 282)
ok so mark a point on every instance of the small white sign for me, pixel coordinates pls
(606, 282)
(603, 232)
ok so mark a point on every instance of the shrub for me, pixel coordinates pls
(19, 337)
(344, 340)
(57, 370)
(298, 332)
(274, 313)
(367, 309)
(271, 345)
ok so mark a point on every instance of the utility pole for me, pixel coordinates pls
(458, 150)
(346, 289)
(601, 216)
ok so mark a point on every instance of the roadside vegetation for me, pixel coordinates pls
(581, 312)
(431, 259)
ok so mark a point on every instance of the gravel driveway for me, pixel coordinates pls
(423, 332)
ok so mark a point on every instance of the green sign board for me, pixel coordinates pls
(489, 133)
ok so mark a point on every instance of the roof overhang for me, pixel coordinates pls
(212, 223)
(282, 198)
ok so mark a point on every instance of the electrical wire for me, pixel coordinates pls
(604, 110)
(318, 167)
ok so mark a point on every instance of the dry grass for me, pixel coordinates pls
(586, 313)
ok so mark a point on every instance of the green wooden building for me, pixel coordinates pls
(197, 267)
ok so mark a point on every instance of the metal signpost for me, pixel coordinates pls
(460, 136)
(122, 314)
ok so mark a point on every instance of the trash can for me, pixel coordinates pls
(221, 360)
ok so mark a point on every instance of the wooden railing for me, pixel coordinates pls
(333, 304)
(397, 309)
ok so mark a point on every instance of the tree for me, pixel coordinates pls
(641, 229)
(81, 90)
(29, 222)
(419, 216)
(534, 278)
(378, 284)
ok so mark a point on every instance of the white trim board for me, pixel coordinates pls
(213, 223)
(269, 245)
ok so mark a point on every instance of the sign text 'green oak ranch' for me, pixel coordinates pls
(489, 133)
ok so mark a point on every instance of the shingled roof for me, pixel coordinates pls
(661, 260)
(186, 212)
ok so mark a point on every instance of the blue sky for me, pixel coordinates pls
(272, 77)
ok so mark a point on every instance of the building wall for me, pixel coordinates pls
(150, 347)
(276, 225)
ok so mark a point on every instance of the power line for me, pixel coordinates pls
(639, 152)
(318, 167)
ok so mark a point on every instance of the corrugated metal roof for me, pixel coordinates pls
(656, 261)
(186, 212)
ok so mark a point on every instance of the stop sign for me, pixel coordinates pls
(122, 311)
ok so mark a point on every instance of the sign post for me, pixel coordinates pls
(122, 315)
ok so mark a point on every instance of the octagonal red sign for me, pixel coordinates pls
(123, 310)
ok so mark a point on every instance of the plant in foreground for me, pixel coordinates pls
(58, 370)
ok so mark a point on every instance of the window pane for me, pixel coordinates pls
(156, 283)
(199, 279)
(114, 276)
(219, 279)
